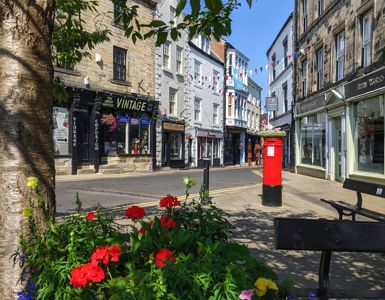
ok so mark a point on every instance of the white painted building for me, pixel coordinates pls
(236, 106)
(204, 113)
(171, 90)
(280, 57)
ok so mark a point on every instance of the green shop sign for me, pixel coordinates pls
(128, 104)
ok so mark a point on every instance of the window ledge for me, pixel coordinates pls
(311, 167)
(167, 70)
(120, 82)
(198, 86)
(180, 74)
(113, 24)
(368, 174)
(66, 71)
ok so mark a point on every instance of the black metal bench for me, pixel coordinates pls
(328, 236)
(347, 209)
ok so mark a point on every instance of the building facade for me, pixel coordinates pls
(253, 111)
(280, 75)
(171, 91)
(340, 89)
(236, 106)
(204, 113)
(108, 123)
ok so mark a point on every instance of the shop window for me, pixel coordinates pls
(124, 134)
(340, 55)
(369, 135)
(312, 132)
(166, 55)
(176, 146)
(216, 143)
(120, 64)
(366, 36)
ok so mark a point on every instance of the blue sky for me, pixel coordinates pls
(253, 31)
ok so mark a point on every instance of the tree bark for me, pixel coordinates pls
(26, 85)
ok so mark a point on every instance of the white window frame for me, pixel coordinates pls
(215, 81)
(215, 114)
(340, 55)
(172, 101)
(179, 60)
(366, 38)
(197, 109)
(197, 70)
(166, 55)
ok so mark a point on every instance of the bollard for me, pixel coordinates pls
(206, 178)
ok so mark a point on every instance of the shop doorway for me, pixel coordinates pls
(337, 145)
(236, 149)
(83, 135)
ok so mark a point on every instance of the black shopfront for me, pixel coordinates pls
(173, 145)
(105, 125)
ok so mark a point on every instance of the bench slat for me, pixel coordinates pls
(334, 235)
(365, 187)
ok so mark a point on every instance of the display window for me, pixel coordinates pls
(125, 135)
(368, 132)
(176, 146)
(208, 147)
(313, 137)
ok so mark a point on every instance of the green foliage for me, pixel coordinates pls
(203, 264)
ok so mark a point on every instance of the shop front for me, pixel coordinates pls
(235, 146)
(284, 123)
(366, 101)
(209, 147)
(173, 146)
(311, 137)
(108, 133)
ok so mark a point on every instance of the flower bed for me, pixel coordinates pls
(183, 253)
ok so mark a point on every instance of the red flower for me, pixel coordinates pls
(91, 216)
(114, 252)
(83, 274)
(163, 256)
(141, 230)
(169, 201)
(167, 222)
(134, 212)
(101, 254)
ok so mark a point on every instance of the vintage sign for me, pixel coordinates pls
(128, 104)
(310, 105)
(173, 127)
(365, 84)
(272, 103)
(60, 130)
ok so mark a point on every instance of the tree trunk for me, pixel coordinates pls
(26, 81)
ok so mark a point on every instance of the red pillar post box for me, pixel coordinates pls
(272, 171)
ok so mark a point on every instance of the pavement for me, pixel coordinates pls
(253, 225)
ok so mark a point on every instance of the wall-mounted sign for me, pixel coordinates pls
(173, 127)
(365, 84)
(60, 130)
(271, 103)
(128, 104)
(312, 104)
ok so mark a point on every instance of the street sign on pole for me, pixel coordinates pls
(272, 103)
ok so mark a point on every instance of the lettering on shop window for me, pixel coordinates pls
(74, 134)
(96, 135)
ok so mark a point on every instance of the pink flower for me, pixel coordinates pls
(246, 295)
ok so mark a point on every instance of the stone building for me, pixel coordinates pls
(340, 89)
(204, 113)
(253, 111)
(171, 91)
(108, 124)
(280, 75)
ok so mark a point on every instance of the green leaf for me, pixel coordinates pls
(157, 23)
(181, 5)
(174, 34)
(195, 8)
(161, 38)
(214, 5)
(249, 2)
(27, 212)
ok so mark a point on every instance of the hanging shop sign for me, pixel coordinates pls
(173, 126)
(365, 84)
(128, 104)
(210, 134)
(272, 103)
(61, 130)
(310, 105)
